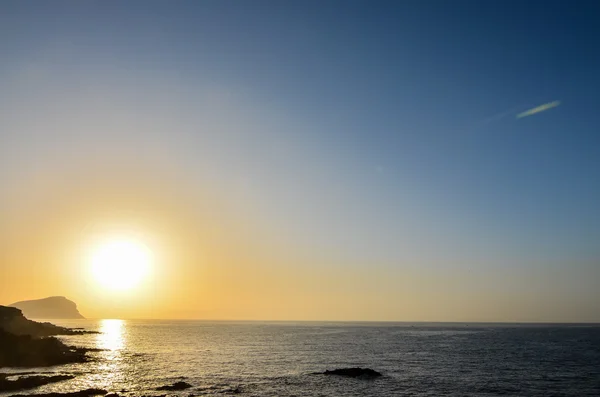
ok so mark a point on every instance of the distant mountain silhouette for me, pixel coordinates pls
(13, 321)
(49, 308)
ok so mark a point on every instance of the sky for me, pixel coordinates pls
(305, 160)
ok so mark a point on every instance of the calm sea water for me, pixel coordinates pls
(277, 359)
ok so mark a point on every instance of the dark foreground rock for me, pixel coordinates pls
(29, 382)
(13, 321)
(354, 372)
(81, 393)
(27, 351)
(175, 386)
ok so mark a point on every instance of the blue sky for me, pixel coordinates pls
(362, 131)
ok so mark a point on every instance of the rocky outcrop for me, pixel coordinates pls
(13, 321)
(55, 307)
(354, 372)
(81, 393)
(175, 386)
(28, 351)
(29, 382)
(26, 343)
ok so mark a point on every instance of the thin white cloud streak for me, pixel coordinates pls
(497, 117)
(538, 109)
(530, 112)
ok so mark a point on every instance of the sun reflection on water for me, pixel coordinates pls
(112, 344)
(111, 335)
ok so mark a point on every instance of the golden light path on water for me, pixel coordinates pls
(111, 341)
(111, 337)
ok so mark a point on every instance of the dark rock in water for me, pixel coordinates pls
(27, 351)
(13, 321)
(81, 393)
(49, 308)
(175, 386)
(112, 395)
(29, 382)
(354, 372)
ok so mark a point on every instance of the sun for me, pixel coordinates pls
(120, 263)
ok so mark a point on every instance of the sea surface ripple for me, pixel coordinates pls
(278, 359)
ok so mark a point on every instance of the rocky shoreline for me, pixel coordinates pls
(27, 343)
(28, 351)
(29, 382)
(81, 393)
(14, 322)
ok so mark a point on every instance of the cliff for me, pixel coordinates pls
(13, 321)
(55, 307)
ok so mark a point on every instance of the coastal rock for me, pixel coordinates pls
(29, 382)
(13, 321)
(49, 308)
(81, 393)
(26, 343)
(175, 386)
(28, 351)
(354, 372)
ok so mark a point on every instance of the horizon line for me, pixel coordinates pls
(347, 321)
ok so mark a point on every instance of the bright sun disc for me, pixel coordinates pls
(120, 264)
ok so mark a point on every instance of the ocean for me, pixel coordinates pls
(280, 359)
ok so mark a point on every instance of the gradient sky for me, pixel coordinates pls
(336, 160)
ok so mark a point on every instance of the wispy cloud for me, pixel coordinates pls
(497, 116)
(538, 109)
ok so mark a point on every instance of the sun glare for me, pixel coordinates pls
(120, 264)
